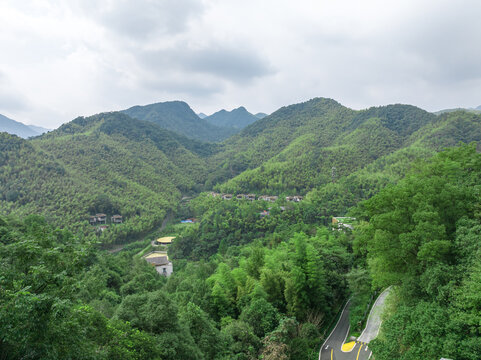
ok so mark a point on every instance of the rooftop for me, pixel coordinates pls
(155, 254)
(166, 239)
(157, 260)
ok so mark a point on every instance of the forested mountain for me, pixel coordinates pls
(177, 116)
(324, 146)
(238, 118)
(298, 146)
(260, 115)
(252, 280)
(339, 155)
(105, 163)
(17, 128)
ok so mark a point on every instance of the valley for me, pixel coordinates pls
(262, 272)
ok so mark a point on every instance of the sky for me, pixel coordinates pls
(63, 59)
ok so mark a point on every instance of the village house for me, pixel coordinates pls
(227, 197)
(268, 198)
(116, 219)
(240, 197)
(160, 260)
(214, 194)
(250, 197)
(101, 218)
(343, 222)
(102, 228)
(93, 220)
(295, 198)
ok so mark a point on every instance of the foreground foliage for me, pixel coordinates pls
(423, 237)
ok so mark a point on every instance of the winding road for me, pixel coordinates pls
(332, 347)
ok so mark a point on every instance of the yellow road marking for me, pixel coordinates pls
(332, 350)
(357, 358)
(347, 347)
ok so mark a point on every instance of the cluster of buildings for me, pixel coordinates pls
(160, 259)
(252, 197)
(101, 220)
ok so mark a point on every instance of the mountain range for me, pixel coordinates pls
(177, 116)
(335, 155)
(325, 148)
(264, 271)
(17, 128)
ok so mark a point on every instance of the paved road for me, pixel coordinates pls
(331, 349)
(374, 320)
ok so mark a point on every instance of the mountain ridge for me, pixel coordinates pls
(237, 118)
(18, 128)
(177, 116)
(317, 146)
(93, 164)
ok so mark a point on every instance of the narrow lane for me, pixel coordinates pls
(373, 323)
(332, 347)
(337, 336)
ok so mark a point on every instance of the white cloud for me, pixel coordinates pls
(64, 59)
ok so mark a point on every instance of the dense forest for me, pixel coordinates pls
(252, 279)
(422, 236)
(108, 163)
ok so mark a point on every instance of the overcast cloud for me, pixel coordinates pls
(61, 59)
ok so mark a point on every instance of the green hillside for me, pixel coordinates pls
(303, 146)
(324, 146)
(177, 116)
(422, 238)
(251, 279)
(106, 163)
(336, 155)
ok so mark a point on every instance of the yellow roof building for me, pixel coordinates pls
(165, 240)
(156, 254)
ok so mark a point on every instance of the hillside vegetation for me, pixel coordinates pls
(423, 238)
(336, 155)
(106, 163)
(340, 155)
(252, 279)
